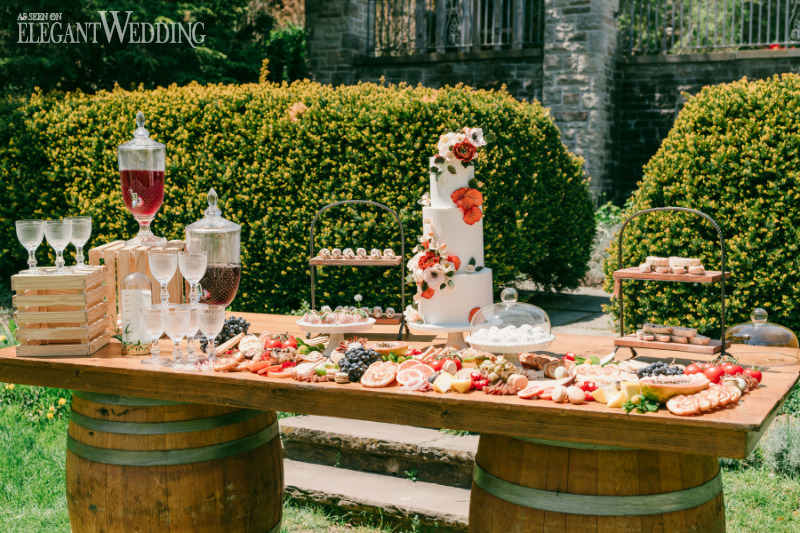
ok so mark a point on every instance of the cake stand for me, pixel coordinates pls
(455, 332)
(336, 332)
(512, 351)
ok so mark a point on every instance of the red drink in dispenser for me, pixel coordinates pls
(142, 191)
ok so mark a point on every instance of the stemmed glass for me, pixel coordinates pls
(163, 266)
(81, 231)
(193, 268)
(30, 234)
(154, 326)
(210, 320)
(177, 321)
(58, 234)
(191, 333)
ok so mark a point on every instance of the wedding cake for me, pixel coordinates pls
(452, 281)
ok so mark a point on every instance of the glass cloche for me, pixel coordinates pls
(762, 343)
(221, 240)
(510, 327)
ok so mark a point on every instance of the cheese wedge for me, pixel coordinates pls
(461, 385)
(443, 383)
(617, 400)
(602, 395)
(631, 389)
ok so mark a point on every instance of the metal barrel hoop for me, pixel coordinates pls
(402, 250)
(722, 264)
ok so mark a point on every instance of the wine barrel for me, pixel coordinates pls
(528, 485)
(137, 464)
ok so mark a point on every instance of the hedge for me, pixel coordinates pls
(277, 153)
(732, 154)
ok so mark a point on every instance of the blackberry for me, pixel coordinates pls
(232, 327)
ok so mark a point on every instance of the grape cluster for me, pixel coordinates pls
(232, 327)
(659, 368)
(356, 361)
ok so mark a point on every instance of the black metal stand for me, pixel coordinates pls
(722, 265)
(313, 267)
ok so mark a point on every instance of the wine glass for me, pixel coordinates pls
(163, 266)
(154, 326)
(81, 231)
(58, 234)
(193, 268)
(191, 333)
(211, 319)
(177, 321)
(30, 234)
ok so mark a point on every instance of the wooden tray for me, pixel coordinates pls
(631, 341)
(711, 276)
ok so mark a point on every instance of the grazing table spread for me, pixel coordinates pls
(155, 449)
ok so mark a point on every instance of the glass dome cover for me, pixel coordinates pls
(762, 343)
(510, 327)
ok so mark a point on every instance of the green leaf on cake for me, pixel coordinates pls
(489, 137)
(450, 283)
(466, 164)
(473, 183)
(435, 169)
(424, 286)
(472, 261)
(443, 286)
(478, 269)
(438, 160)
(451, 169)
(450, 274)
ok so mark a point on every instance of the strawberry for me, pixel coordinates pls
(458, 194)
(473, 215)
(428, 293)
(472, 312)
(455, 260)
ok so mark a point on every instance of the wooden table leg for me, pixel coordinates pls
(135, 464)
(530, 486)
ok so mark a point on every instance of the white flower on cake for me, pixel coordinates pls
(475, 136)
(419, 277)
(510, 336)
(413, 263)
(456, 148)
(425, 199)
(447, 142)
(412, 315)
(434, 277)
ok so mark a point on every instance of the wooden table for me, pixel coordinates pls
(540, 466)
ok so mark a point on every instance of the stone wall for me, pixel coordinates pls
(649, 97)
(519, 70)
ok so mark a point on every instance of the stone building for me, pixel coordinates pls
(613, 75)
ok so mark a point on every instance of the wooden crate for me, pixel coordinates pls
(61, 314)
(122, 259)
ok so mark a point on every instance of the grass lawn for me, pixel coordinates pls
(32, 495)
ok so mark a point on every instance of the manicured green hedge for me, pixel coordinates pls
(278, 153)
(733, 154)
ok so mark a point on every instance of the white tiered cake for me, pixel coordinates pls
(448, 267)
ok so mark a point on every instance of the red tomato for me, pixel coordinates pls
(753, 373)
(455, 360)
(436, 364)
(694, 368)
(704, 365)
(589, 397)
(569, 356)
(730, 368)
(713, 373)
(291, 342)
(272, 343)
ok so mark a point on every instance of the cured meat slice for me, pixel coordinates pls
(380, 374)
(405, 377)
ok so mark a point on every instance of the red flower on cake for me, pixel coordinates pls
(464, 151)
(455, 260)
(427, 293)
(428, 260)
(473, 215)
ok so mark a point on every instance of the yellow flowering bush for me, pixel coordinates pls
(731, 154)
(278, 153)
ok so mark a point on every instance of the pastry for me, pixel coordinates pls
(684, 262)
(645, 267)
(662, 269)
(657, 261)
(700, 340)
(684, 332)
(642, 334)
(679, 340)
(697, 270)
(663, 338)
(648, 328)
(648, 337)
(659, 329)
(677, 270)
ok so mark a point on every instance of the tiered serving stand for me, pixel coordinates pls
(631, 341)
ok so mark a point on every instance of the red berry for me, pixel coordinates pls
(570, 356)
(589, 397)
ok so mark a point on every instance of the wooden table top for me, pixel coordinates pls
(731, 432)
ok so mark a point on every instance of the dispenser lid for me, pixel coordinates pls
(763, 343)
(213, 222)
(141, 138)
